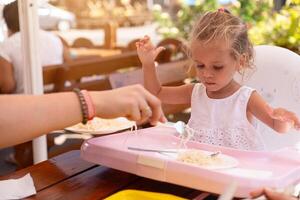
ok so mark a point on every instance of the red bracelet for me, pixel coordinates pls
(90, 105)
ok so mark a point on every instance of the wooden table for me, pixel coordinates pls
(84, 52)
(67, 176)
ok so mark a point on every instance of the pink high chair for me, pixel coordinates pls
(277, 78)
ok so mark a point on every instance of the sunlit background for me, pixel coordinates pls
(99, 28)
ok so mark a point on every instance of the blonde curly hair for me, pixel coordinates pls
(223, 25)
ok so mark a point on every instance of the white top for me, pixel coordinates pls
(50, 49)
(223, 121)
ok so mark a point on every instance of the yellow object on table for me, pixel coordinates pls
(137, 195)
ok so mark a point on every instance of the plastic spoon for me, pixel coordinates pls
(179, 126)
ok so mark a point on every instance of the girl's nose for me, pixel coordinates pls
(207, 73)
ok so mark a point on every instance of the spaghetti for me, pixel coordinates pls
(198, 157)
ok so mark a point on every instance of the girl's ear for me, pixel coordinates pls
(241, 62)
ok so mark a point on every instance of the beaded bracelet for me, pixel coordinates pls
(89, 103)
(83, 105)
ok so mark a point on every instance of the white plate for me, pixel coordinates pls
(226, 161)
(99, 126)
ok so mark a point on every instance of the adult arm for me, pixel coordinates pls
(24, 117)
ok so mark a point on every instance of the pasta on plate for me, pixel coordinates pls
(203, 159)
(102, 126)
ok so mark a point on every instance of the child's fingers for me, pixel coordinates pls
(281, 115)
(269, 110)
(137, 44)
(257, 193)
(274, 195)
(146, 37)
(284, 116)
(287, 116)
(141, 46)
(273, 113)
(296, 121)
(143, 40)
(149, 46)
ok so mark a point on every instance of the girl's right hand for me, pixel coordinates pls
(147, 52)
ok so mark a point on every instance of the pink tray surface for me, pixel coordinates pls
(277, 169)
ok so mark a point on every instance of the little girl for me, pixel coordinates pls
(222, 111)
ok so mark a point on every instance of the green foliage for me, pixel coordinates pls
(280, 29)
(266, 26)
(182, 24)
(252, 11)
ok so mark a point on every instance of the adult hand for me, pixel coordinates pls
(133, 102)
(271, 194)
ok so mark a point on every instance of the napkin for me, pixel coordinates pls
(17, 188)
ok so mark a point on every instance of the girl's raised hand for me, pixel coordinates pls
(147, 52)
(284, 120)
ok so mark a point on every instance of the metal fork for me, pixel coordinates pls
(152, 150)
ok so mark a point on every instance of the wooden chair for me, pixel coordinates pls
(66, 49)
(50, 75)
(282, 90)
(83, 43)
(131, 46)
(174, 50)
(73, 73)
(110, 35)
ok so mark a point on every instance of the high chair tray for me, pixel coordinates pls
(249, 169)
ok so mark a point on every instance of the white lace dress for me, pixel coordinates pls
(223, 121)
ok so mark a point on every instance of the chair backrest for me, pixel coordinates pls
(131, 45)
(82, 42)
(92, 74)
(50, 74)
(277, 78)
(171, 73)
(174, 50)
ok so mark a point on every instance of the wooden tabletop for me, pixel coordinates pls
(67, 176)
(81, 52)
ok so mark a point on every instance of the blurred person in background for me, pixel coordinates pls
(51, 52)
(11, 59)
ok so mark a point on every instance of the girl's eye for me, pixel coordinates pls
(200, 66)
(218, 67)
